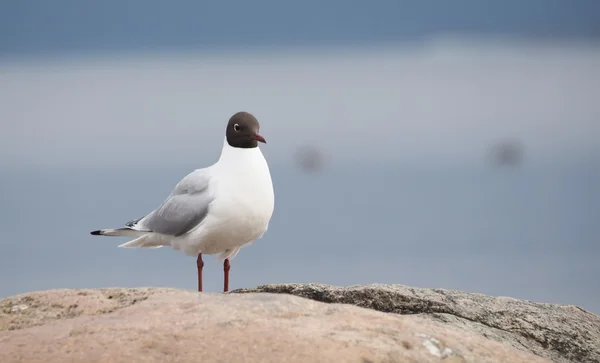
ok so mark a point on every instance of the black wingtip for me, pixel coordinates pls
(95, 233)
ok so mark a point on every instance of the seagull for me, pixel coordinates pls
(214, 210)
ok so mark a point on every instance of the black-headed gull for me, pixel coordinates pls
(215, 210)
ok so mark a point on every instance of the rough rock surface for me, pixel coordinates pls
(42, 307)
(562, 333)
(160, 325)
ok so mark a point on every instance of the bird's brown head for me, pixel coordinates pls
(242, 131)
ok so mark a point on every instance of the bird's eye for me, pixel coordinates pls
(236, 127)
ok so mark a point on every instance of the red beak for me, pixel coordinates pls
(258, 137)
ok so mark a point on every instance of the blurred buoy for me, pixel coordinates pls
(507, 153)
(309, 159)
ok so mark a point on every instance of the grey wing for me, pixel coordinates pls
(184, 209)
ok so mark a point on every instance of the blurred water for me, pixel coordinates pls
(405, 194)
(529, 232)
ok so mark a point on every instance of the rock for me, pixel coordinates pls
(158, 325)
(39, 308)
(562, 333)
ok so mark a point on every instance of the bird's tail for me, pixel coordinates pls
(144, 238)
(145, 241)
(119, 232)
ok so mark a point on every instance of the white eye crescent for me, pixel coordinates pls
(236, 127)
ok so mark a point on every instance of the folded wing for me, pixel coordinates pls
(183, 210)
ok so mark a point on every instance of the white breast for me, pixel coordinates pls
(243, 204)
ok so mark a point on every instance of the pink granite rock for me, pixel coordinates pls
(165, 325)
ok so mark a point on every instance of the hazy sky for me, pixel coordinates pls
(66, 26)
(444, 102)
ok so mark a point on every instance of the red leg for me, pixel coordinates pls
(200, 265)
(226, 268)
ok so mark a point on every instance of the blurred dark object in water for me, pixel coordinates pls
(309, 159)
(507, 153)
